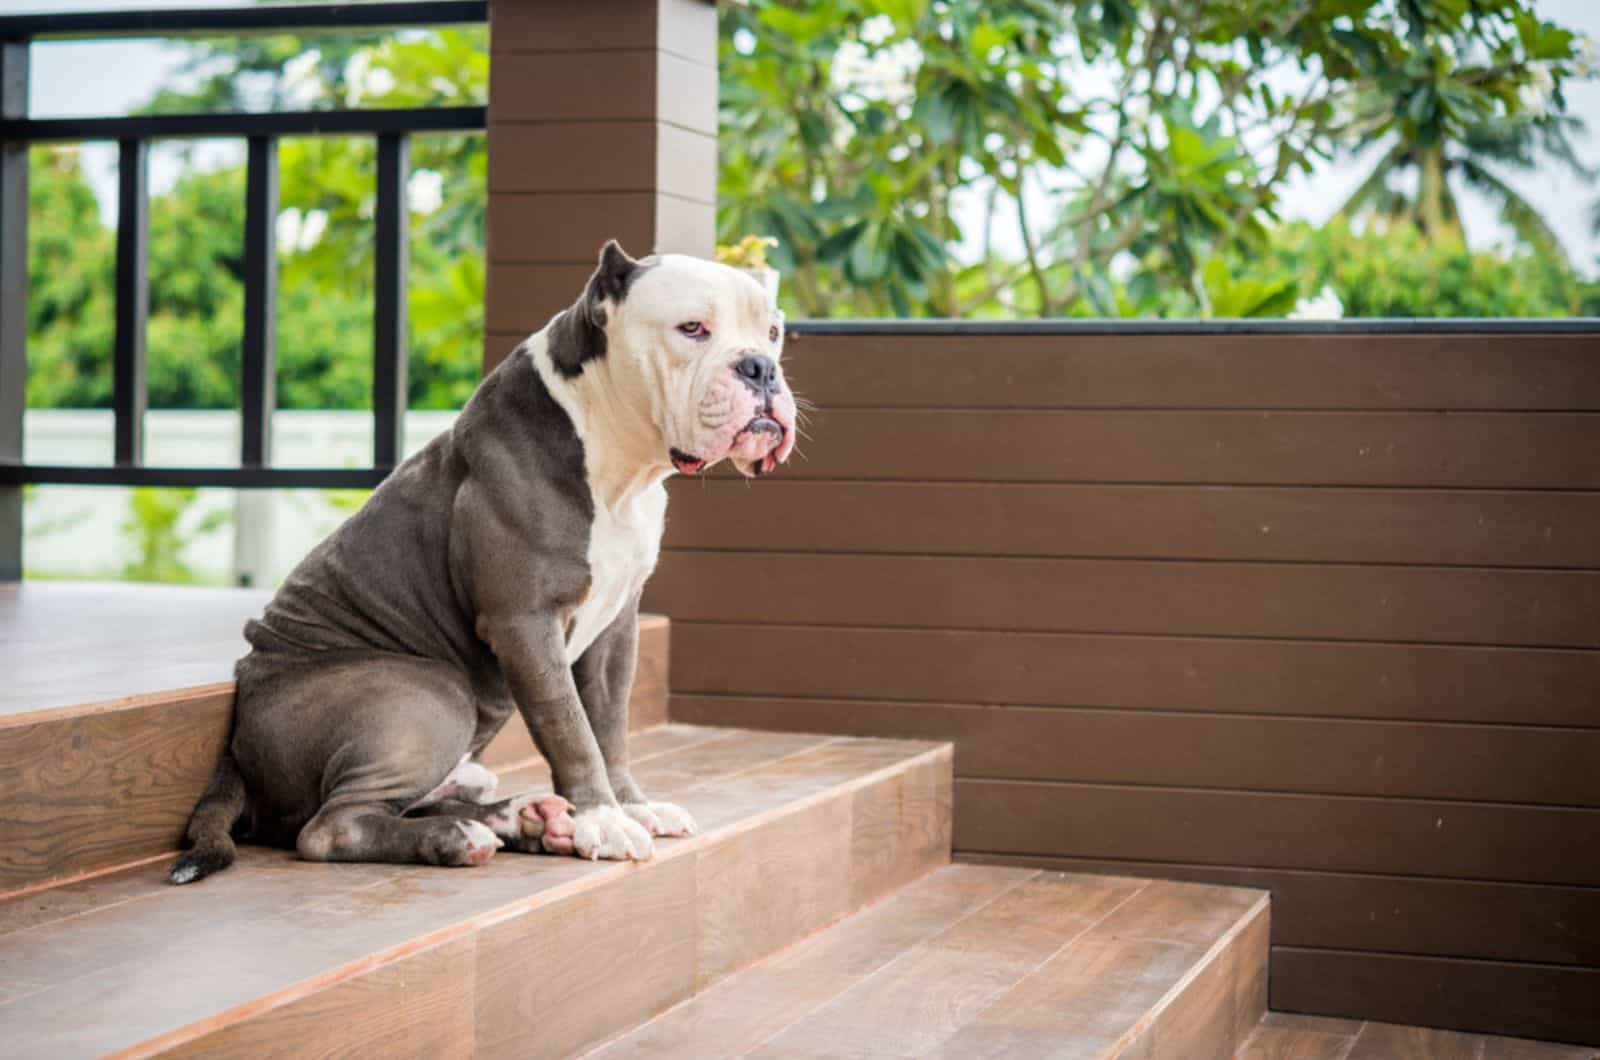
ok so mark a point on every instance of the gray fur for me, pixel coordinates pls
(408, 638)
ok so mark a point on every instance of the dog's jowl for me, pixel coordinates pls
(498, 572)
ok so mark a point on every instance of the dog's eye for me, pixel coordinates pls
(773, 334)
(695, 330)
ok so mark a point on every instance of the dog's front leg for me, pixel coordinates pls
(604, 675)
(532, 655)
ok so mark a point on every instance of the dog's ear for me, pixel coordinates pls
(613, 275)
(578, 334)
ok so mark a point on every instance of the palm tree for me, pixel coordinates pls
(1447, 124)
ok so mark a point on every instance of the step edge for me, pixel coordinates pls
(1152, 1017)
(134, 863)
(333, 977)
(135, 701)
(174, 694)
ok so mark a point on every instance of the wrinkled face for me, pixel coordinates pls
(708, 341)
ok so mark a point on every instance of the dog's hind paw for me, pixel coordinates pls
(461, 844)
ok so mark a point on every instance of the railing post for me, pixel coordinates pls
(13, 299)
(389, 302)
(128, 396)
(258, 362)
(602, 124)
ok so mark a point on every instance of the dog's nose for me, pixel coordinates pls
(758, 371)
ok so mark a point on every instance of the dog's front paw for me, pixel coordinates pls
(661, 818)
(607, 832)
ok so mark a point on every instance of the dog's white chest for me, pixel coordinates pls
(623, 545)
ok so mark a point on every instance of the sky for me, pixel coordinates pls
(125, 73)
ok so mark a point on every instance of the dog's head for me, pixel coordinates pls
(692, 348)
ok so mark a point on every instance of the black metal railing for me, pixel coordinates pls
(391, 127)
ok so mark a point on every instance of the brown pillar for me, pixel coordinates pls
(602, 124)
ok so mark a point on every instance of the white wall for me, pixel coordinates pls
(75, 530)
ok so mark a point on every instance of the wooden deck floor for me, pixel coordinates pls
(98, 645)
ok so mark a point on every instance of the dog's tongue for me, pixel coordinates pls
(686, 464)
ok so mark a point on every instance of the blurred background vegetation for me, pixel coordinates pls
(1009, 158)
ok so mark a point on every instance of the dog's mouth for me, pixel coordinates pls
(753, 450)
(686, 464)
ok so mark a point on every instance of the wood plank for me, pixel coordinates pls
(1467, 527)
(740, 1013)
(1499, 763)
(608, 156)
(549, 227)
(1213, 1011)
(1388, 1041)
(682, 27)
(1413, 604)
(1517, 844)
(1087, 1001)
(64, 783)
(1282, 1036)
(1404, 682)
(99, 646)
(419, 1006)
(1199, 371)
(899, 830)
(576, 86)
(1490, 997)
(770, 888)
(1396, 914)
(626, 953)
(513, 308)
(1511, 450)
(934, 989)
(524, 29)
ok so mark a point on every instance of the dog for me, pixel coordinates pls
(498, 571)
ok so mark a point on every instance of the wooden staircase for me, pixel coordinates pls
(817, 913)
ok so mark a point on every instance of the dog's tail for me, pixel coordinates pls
(211, 846)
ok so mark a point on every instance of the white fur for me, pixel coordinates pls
(606, 832)
(655, 390)
(661, 818)
(479, 835)
(630, 505)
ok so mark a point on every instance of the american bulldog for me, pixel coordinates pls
(498, 571)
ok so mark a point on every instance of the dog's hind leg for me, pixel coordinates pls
(530, 824)
(357, 742)
(377, 832)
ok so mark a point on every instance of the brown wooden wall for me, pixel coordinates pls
(1312, 612)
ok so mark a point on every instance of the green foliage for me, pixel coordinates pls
(71, 286)
(325, 285)
(1399, 271)
(161, 523)
(1151, 127)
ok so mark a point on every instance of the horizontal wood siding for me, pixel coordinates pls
(1317, 613)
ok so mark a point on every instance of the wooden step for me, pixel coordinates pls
(115, 699)
(1285, 1036)
(982, 961)
(525, 956)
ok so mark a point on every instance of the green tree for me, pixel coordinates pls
(1157, 131)
(1458, 110)
(1397, 270)
(71, 283)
